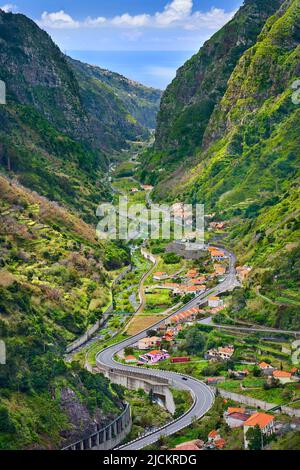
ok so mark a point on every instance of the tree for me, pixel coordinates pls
(194, 341)
(151, 333)
(255, 438)
(6, 424)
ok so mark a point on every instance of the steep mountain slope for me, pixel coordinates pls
(247, 170)
(140, 101)
(200, 83)
(60, 122)
(53, 285)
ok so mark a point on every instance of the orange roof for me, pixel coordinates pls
(213, 297)
(220, 443)
(260, 419)
(213, 433)
(130, 358)
(159, 274)
(154, 352)
(232, 409)
(282, 374)
(294, 370)
(264, 365)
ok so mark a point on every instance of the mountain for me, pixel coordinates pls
(189, 101)
(141, 102)
(247, 167)
(61, 123)
(53, 285)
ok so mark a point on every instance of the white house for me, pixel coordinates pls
(265, 423)
(214, 301)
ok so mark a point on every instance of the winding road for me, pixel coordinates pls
(203, 397)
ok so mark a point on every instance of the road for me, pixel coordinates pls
(202, 395)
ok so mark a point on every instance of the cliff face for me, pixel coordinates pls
(190, 99)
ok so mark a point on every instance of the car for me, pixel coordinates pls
(184, 378)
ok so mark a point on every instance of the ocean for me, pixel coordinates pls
(152, 68)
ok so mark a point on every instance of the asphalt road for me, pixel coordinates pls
(203, 397)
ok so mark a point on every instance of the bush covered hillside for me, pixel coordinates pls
(190, 99)
(139, 101)
(248, 168)
(61, 125)
(53, 285)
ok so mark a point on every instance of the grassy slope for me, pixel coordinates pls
(249, 169)
(52, 286)
(140, 101)
(201, 82)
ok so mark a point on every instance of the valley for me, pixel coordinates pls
(152, 340)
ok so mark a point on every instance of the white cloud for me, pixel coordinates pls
(177, 10)
(128, 20)
(100, 20)
(9, 7)
(58, 20)
(177, 13)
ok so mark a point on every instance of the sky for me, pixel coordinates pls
(129, 25)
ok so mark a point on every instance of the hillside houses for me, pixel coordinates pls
(148, 343)
(183, 317)
(216, 253)
(220, 354)
(160, 276)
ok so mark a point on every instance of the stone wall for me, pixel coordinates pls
(108, 437)
(263, 405)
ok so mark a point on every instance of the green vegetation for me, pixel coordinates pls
(244, 163)
(53, 286)
(191, 98)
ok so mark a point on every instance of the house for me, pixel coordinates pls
(223, 354)
(153, 357)
(213, 435)
(236, 419)
(148, 343)
(219, 443)
(216, 253)
(196, 444)
(183, 317)
(282, 376)
(239, 374)
(217, 225)
(160, 276)
(196, 289)
(130, 359)
(266, 368)
(263, 420)
(134, 190)
(233, 409)
(214, 301)
(146, 187)
(243, 272)
(214, 380)
(192, 273)
(219, 270)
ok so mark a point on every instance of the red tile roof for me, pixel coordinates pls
(260, 419)
(280, 374)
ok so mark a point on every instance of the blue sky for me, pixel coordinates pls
(128, 25)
